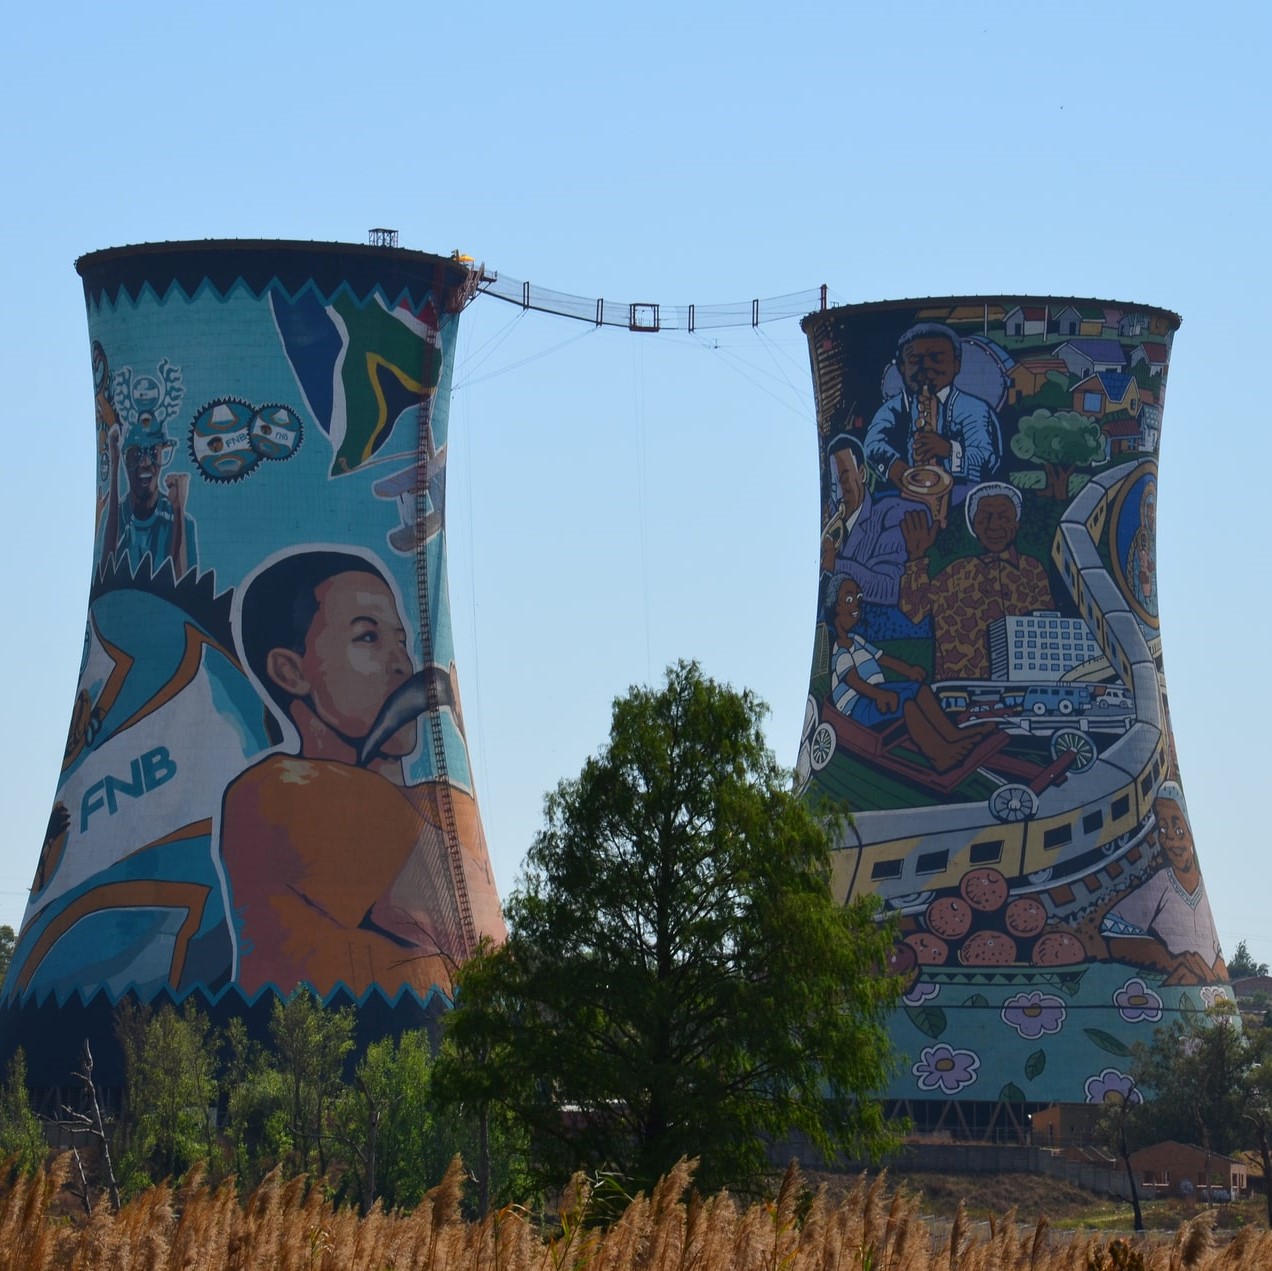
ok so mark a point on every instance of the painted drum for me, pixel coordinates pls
(986, 695)
(266, 782)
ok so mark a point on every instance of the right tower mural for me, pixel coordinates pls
(986, 696)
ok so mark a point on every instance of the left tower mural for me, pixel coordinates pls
(266, 780)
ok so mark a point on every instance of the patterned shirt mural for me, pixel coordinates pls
(986, 694)
(266, 781)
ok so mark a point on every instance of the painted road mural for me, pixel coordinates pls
(986, 694)
(266, 779)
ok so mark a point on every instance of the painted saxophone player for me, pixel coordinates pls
(341, 873)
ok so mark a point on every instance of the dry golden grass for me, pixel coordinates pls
(289, 1226)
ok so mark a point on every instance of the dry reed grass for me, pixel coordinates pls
(291, 1226)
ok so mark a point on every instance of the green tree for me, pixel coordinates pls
(387, 1122)
(678, 980)
(1257, 1109)
(21, 1135)
(1192, 1078)
(1203, 1081)
(1060, 441)
(1209, 1082)
(7, 940)
(1240, 965)
(170, 1065)
(312, 1042)
(398, 1138)
(257, 1106)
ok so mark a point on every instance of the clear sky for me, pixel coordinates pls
(617, 501)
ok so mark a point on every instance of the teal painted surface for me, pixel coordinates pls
(261, 788)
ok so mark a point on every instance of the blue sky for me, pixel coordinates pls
(617, 501)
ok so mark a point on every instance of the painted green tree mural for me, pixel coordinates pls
(1060, 441)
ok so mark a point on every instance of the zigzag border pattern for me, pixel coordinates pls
(158, 271)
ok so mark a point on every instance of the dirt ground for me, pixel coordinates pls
(1036, 1195)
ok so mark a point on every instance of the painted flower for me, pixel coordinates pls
(921, 991)
(942, 1067)
(1032, 1014)
(1212, 995)
(1136, 1002)
(1111, 1086)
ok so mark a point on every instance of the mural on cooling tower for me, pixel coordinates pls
(266, 779)
(986, 692)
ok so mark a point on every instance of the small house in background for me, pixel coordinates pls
(1256, 989)
(1028, 377)
(1091, 357)
(1107, 393)
(1130, 326)
(1029, 320)
(1183, 1169)
(1156, 357)
(1255, 1179)
(1065, 1125)
(1081, 319)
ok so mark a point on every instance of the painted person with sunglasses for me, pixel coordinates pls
(151, 522)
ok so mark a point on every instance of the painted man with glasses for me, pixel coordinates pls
(150, 522)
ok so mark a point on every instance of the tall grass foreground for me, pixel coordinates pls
(291, 1225)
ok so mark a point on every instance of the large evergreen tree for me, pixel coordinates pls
(1240, 965)
(678, 980)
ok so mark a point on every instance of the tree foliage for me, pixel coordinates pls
(301, 1102)
(678, 980)
(311, 1043)
(1059, 441)
(1191, 1078)
(21, 1135)
(1206, 1081)
(1240, 965)
(257, 1108)
(170, 1061)
(7, 940)
(401, 1141)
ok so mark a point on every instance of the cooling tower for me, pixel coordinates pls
(266, 781)
(986, 696)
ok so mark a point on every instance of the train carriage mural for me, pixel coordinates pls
(266, 780)
(986, 694)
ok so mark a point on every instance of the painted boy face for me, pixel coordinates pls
(1174, 833)
(847, 607)
(356, 655)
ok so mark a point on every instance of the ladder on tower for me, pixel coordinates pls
(445, 800)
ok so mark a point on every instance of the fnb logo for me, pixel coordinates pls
(146, 773)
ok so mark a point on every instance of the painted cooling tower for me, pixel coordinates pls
(266, 780)
(986, 694)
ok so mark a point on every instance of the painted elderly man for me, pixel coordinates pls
(971, 593)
